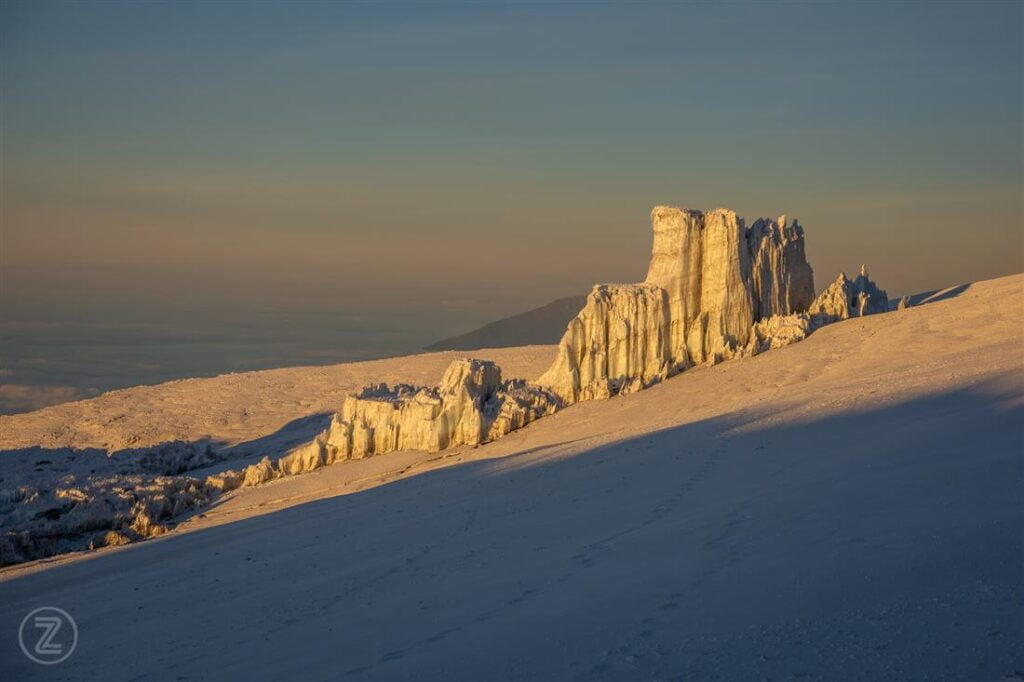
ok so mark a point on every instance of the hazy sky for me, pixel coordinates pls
(468, 161)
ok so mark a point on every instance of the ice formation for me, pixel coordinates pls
(729, 291)
(715, 289)
(472, 405)
(782, 281)
(846, 298)
(109, 509)
(619, 343)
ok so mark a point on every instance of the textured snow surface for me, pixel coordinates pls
(130, 463)
(846, 507)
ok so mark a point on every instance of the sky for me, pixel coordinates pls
(413, 170)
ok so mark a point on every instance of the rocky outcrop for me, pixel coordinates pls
(846, 298)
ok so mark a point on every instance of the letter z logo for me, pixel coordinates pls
(53, 641)
(50, 626)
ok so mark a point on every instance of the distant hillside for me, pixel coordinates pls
(538, 326)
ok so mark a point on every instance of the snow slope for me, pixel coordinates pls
(232, 408)
(849, 506)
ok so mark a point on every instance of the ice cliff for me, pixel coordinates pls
(727, 290)
(472, 405)
(619, 343)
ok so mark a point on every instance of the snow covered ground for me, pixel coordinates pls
(847, 507)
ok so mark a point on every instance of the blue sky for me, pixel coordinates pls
(477, 159)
